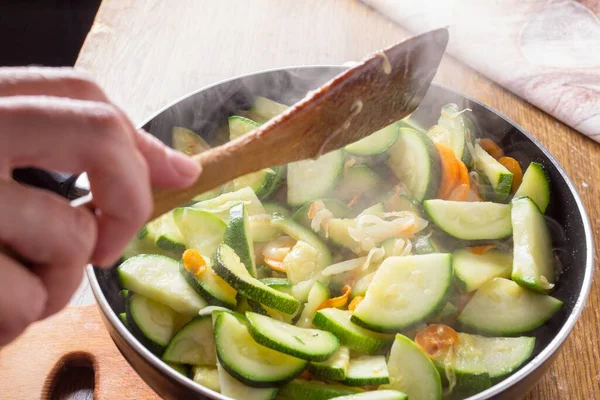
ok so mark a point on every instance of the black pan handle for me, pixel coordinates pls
(58, 182)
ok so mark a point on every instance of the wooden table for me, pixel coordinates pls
(149, 53)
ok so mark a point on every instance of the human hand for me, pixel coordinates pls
(61, 120)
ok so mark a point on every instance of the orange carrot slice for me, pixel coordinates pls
(479, 250)
(194, 262)
(435, 338)
(515, 168)
(339, 301)
(450, 171)
(274, 265)
(491, 148)
(355, 302)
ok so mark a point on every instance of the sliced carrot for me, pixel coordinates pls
(194, 262)
(450, 171)
(515, 168)
(463, 173)
(339, 301)
(479, 250)
(355, 302)
(275, 265)
(354, 200)
(306, 375)
(460, 193)
(491, 148)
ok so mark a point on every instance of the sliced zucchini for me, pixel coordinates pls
(501, 307)
(158, 278)
(188, 141)
(123, 318)
(536, 186)
(357, 180)
(402, 202)
(220, 205)
(239, 126)
(261, 229)
(412, 372)
(230, 268)
(414, 160)
(193, 344)
(307, 344)
(337, 208)
(167, 235)
(301, 234)
(500, 178)
(207, 376)
(360, 287)
(405, 291)
(239, 237)
(351, 335)
(427, 244)
(181, 368)
(452, 131)
(151, 322)
(318, 294)
(367, 371)
(494, 356)
(237, 390)
(267, 108)
(281, 284)
(246, 360)
(533, 260)
(201, 229)
(300, 389)
(473, 270)
(272, 208)
(375, 395)
(308, 180)
(210, 286)
(470, 220)
(376, 143)
(334, 368)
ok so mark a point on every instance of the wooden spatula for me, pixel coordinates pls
(385, 87)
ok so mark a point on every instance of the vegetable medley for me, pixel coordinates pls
(411, 264)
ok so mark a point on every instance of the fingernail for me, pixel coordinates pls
(185, 166)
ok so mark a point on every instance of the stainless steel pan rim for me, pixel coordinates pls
(540, 359)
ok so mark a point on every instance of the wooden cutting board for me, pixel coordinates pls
(30, 365)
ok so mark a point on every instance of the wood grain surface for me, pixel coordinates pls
(147, 54)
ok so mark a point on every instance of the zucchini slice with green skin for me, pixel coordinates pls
(237, 390)
(376, 143)
(281, 284)
(357, 180)
(239, 126)
(187, 141)
(412, 371)
(502, 307)
(402, 202)
(334, 368)
(300, 389)
(181, 368)
(318, 294)
(351, 335)
(405, 291)
(267, 108)
(427, 245)
(337, 208)
(360, 287)
(249, 362)
(123, 318)
(375, 395)
(201, 229)
(367, 371)
(308, 180)
(533, 259)
(495, 356)
(220, 205)
(414, 160)
(261, 229)
(167, 235)
(193, 344)
(207, 376)
(473, 270)
(452, 131)
(151, 322)
(500, 178)
(158, 278)
(536, 186)
(229, 267)
(211, 287)
(238, 236)
(272, 208)
(469, 220)
(307, 344)
(301, 234)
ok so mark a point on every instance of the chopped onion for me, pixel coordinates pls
(375, 255)
(371, 230)
(344, 266)
(321, 217)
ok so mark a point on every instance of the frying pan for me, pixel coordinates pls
(205, 110)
